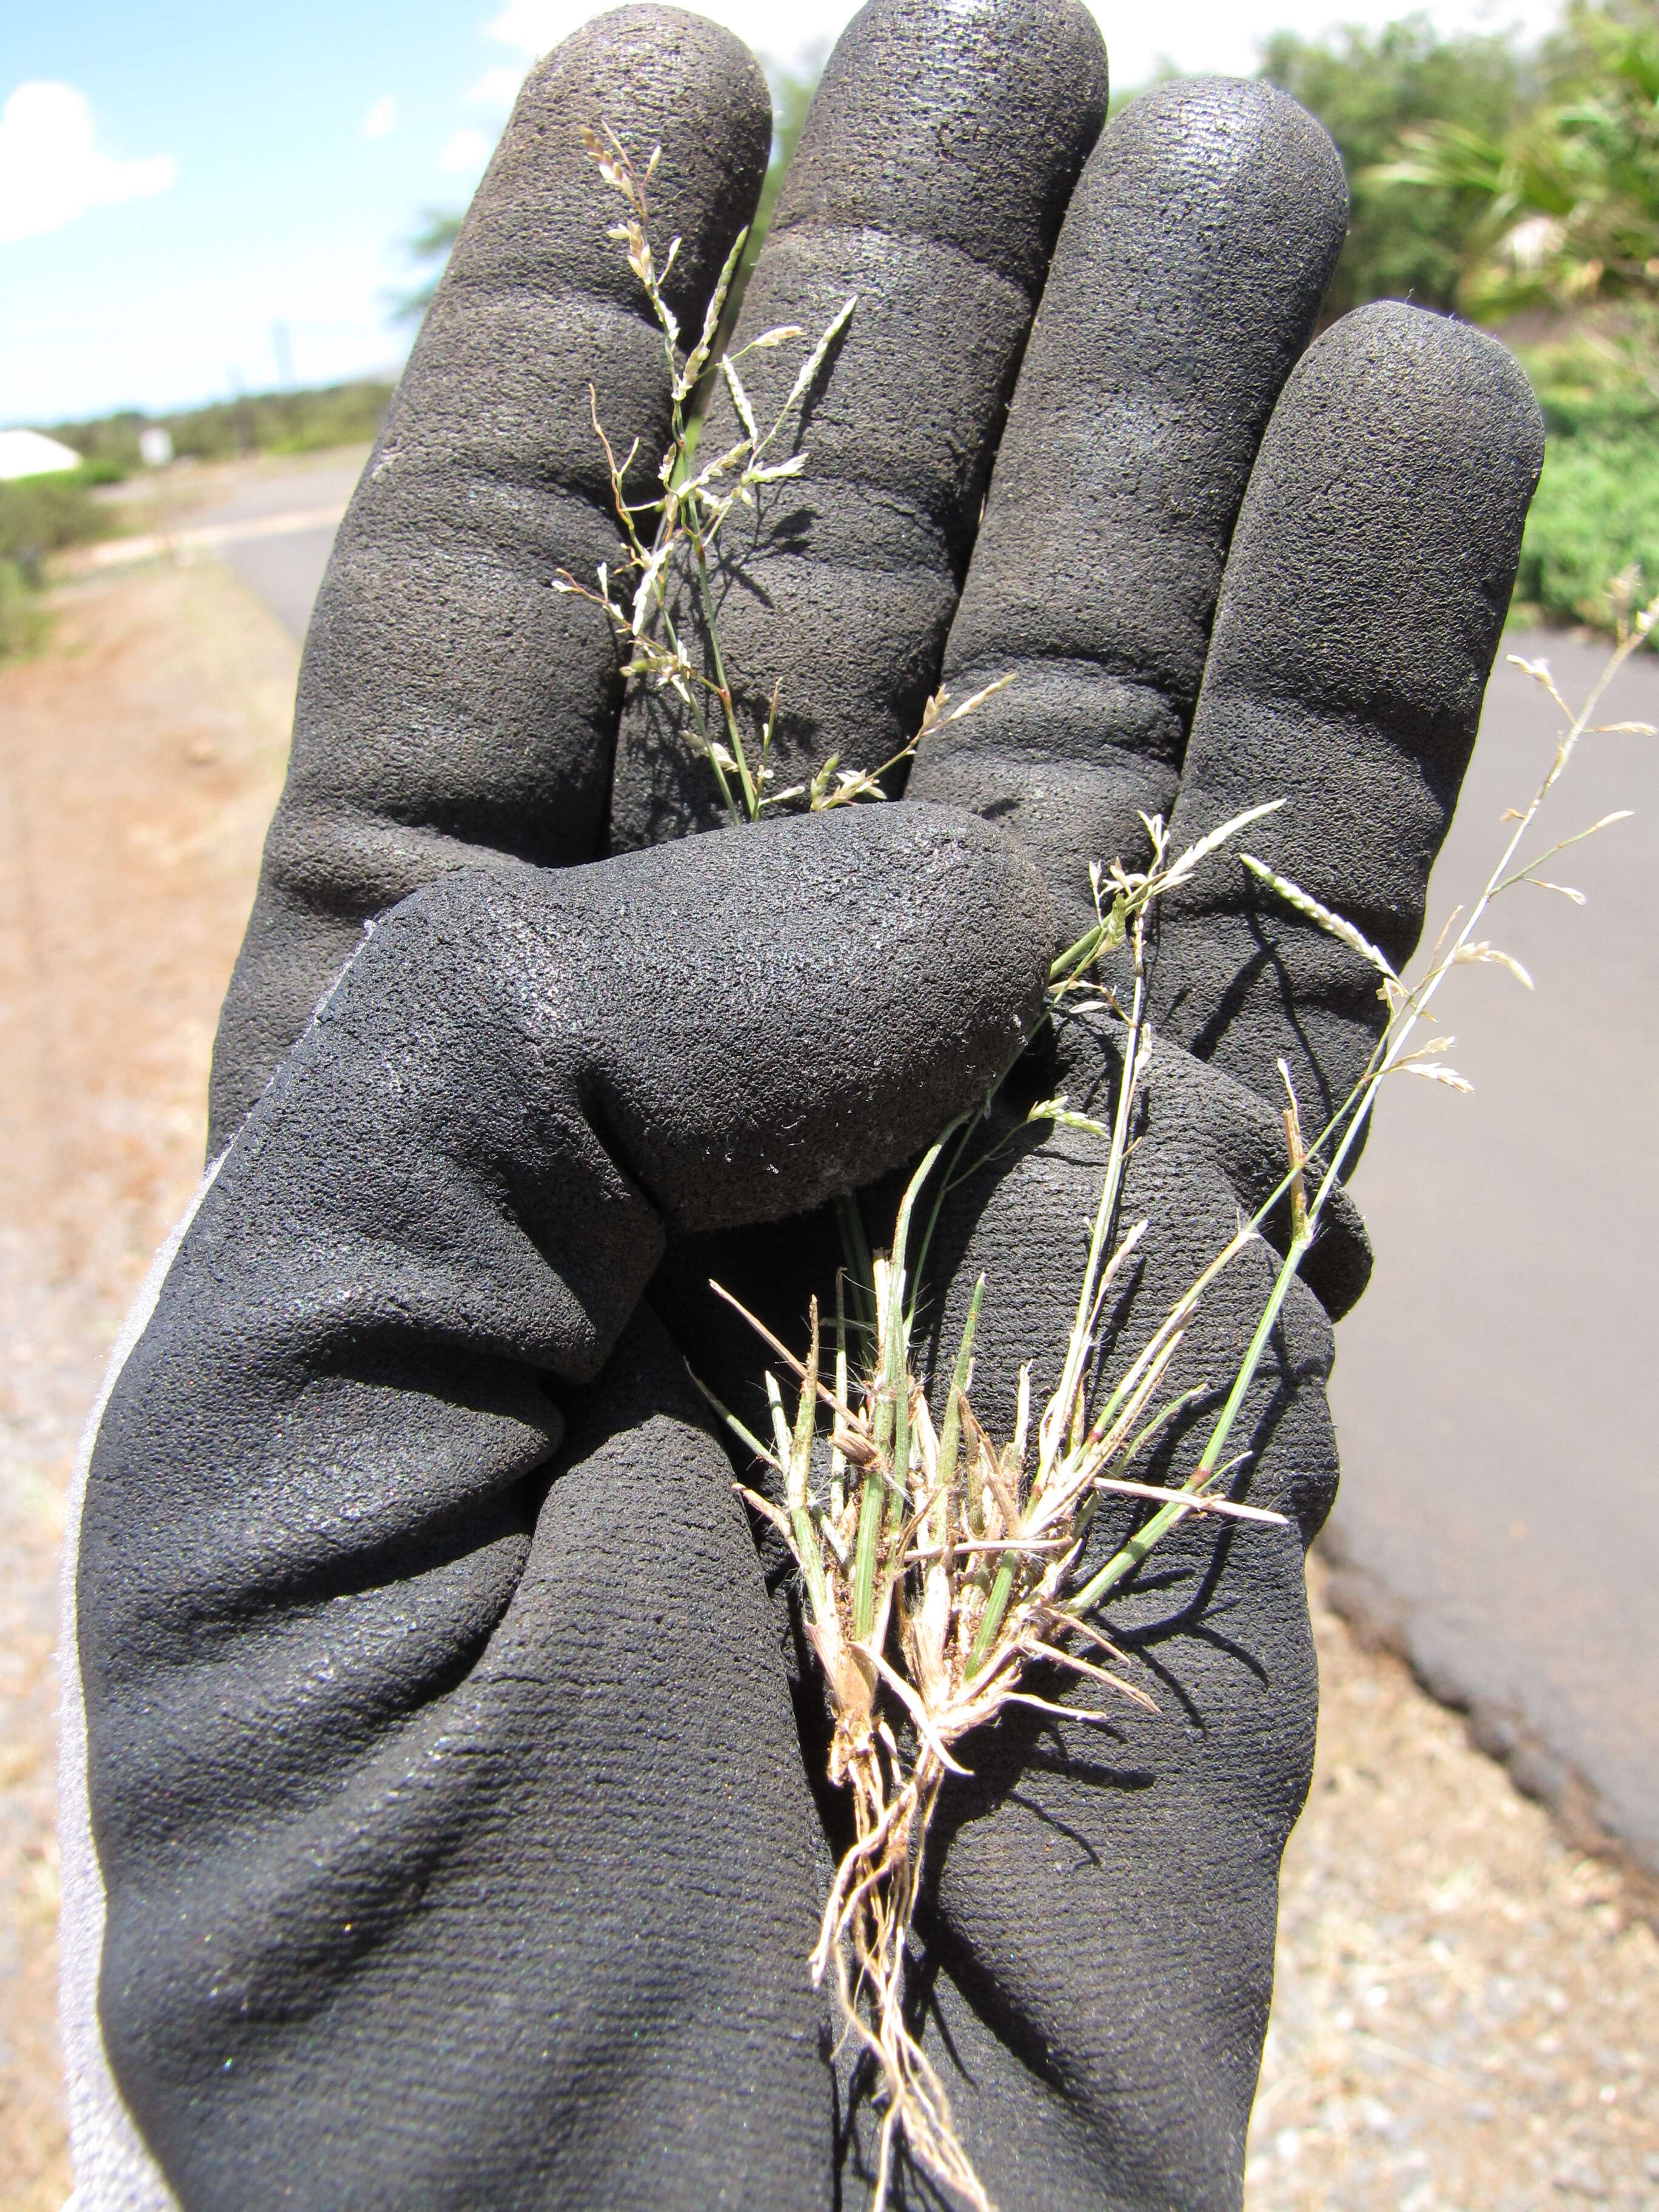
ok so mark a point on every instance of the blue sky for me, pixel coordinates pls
(176, 178)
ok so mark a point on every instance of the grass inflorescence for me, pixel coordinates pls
(942, 1568)
(673, 533)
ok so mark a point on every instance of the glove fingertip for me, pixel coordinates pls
(864, 977)
(1365, 594)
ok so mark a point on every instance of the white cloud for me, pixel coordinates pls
(50, 169)
(496, 88)
(467, 150)
(381, 117)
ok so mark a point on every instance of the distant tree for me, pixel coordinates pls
(1566, 195)
(429, 247)
(1370, 89)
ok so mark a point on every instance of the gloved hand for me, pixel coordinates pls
(444, 1779)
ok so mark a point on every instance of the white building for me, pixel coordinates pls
(30, 453)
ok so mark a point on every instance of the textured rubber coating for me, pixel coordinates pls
(1101, 1953)
(1194, 257)
(453, 710)
(1370, 575)
(1107, 1895)
(930, 181)
(456, 1839)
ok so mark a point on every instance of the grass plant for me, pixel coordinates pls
(947, 1575)
(944, 1571)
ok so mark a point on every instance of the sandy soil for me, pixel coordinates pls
(1467, 2012)
(140, 756)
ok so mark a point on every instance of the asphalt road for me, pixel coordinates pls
(285, 568)
(1499, 1515)
(1499, 1507)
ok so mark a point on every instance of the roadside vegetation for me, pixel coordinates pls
(1521, 189)
(40, 516)
(1368, 89)
(1517, 186)
(254, 423)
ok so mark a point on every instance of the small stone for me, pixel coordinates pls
(1580, 2177)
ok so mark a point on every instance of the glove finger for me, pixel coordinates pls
(870, 974)
(452, 707)
(1105, 1919)
(1365, 592)
(930, 181)
(1191, 264)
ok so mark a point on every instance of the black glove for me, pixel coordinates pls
(444, 1778)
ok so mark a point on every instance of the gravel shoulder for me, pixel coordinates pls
(1468, 2010)
(1466, 2017)
(140, 756)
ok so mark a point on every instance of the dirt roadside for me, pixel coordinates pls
(1467, 2011)
(140, 754)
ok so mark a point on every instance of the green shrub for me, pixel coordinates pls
(1368, 87)
(1597, 508)
(40, 515)
(1486, 177)
(1568, 192)
(1596, 511)
(22, 622)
